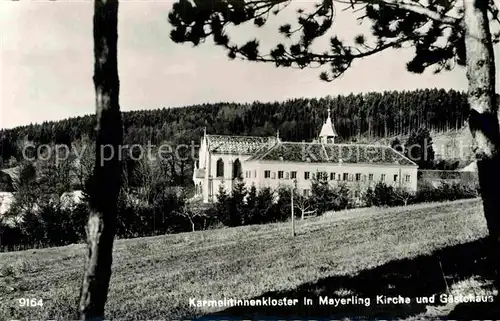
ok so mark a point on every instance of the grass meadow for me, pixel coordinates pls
(417, 250)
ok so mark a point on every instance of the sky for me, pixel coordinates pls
(47, 63)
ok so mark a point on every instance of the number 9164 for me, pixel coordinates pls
(27, 302)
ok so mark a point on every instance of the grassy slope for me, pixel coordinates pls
(154, 277)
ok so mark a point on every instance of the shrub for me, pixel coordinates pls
(265, 205)
(342, 198)
(251, 212)
(322, 196)
(403, 196)
(381, 195)
(282, 208)
(444, 191)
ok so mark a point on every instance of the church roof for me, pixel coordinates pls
(241, 145)
(331, 153)
(328, 130)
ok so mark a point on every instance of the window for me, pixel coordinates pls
(338, 177)
(306, 175)
(273, 175)
(346, 177)
(351, 177)
(267, 174)
(255, 173)
(370, 177)
(382, 177)
(396, 178)
(280, 174)
(306, 192)
(219, 168)
(322, 176)
(293, 175)
(332, 176)
(407, 178)
(358, 176)
(237, 173)
(287, 175)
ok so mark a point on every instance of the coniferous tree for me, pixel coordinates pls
(396, 144)
(282, 207)
(419, 148)
(297, 122)
(222, 207)
(342, 199)
(251, 209)
(237, 206)
(265, 202)
(322, 195)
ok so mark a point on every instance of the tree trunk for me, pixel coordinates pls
(484, 119)
(106, 179)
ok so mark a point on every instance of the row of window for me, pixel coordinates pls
(307, 192)
(307, 175)
(330, 176)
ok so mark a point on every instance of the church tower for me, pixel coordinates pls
(328, 134)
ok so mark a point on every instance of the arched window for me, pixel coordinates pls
(220, 168)
(237, 169)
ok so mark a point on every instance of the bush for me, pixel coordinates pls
(137, 218)
(10, 237)
(446, 191)
(265, 206)
(381, 195)
(342, 198)
(46, 223)
(322, 196)
(282, 208)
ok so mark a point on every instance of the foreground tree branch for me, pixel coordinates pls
(418, 9)
(105, 182)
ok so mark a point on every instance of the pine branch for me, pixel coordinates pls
(415, 8)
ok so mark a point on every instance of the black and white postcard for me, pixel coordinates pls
(250, 160)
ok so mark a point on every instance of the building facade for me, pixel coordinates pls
(271, 162)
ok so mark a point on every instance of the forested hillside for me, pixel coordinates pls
(373, 115)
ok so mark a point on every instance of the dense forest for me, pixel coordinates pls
(373, 115)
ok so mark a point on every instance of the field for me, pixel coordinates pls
(421, 250)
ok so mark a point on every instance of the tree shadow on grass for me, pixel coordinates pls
(413, 278)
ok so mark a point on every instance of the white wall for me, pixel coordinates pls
(253, 173)
(338, 169)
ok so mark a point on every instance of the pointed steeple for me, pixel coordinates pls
(328, 132)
